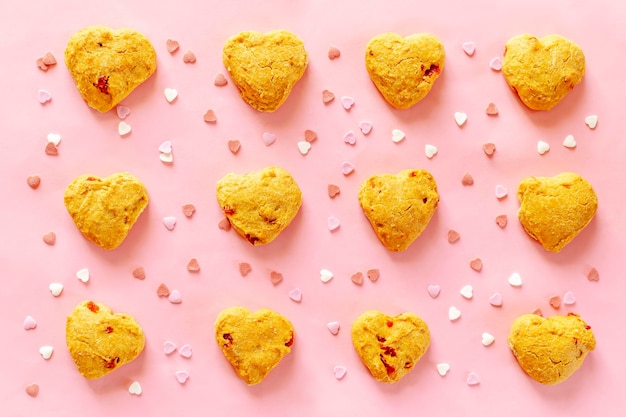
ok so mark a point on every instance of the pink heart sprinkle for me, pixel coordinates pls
(333, 190)
(496, 64)
(193, 265)
(569, 298)
(489, 148)
(276, 277)
(49, 59)
(473, 379)
(453, 236)
(495, 299)
(51, 149)
(122, 111)
(501, 220)
(175, 297)
(32, 390)
(296, 295)
(172, 46)
(29, 323)
(538, 312)
(44, 96)
(349, 137)
(310, 135)
(165, 147)
(182, 376)
(224, 224)
(327, 96)
(139, 273)
(491, 109)
(593, 274)
(169, 222)
(185, 351)
(220, 80)
(469, 48)
(234, 146)
(357, 278)
(333, 327)
(555, 301)
(501, 192)
(189, 210)
(366, 127)
(209, 116)
(467, 179)
(434, 290)
(476, 264)
(244, 268)
(339, 371)
(169, 347)
(333, 223)
(50, 238)
(42, 66)
(347, 102)
(189, 57)
(269, 138)
(373, 274)
(163, 291)
(346, 168)
(333, 52)
(33, 181)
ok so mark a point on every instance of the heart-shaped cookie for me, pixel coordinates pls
(542, 71)
(260, 204)
(404, 69)
(105, 209)
(550, 350)
(253, 343)
(399, 206)
(265, 67)
(390, 346)
(107, 64)
(101, 341)
(554, 210)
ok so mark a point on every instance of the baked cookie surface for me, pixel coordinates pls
(105, 209)
(260, 204)
(390, 346)
(404, 69)
(101, 341)
(550, 349)
(542, 71)
(554, 210)
(253, 342)
(400, 206)
(107, 64)
(265, 66)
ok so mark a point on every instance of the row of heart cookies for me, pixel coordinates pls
(261, 204)
(107, 65)
(548, 350)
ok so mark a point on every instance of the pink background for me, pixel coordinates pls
(304, 382)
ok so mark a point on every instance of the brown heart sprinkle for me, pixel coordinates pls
(33, 181)
(224, 224)
(209, 116)
(50, 238)
(193, 265)
(373, 274)
(491, 110)
(244, 268)
(501, 220)
(476, 264)
(51, 149)
(327, 96)
(453, 236)
(220, 80)
(32, 390)
(467, 179)
(489, 149)
(310, 135)
(234, 146)
(139, 273)
(357, 278)
(163, 291)
(333, 190)
(189, 210)
(276, 277)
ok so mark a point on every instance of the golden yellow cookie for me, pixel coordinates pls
(404, 69)
(253, 343)
(101, 341)
(542, 71)
(107, 64)
(390, 346)
(105, 209)
(399, 206)
(550, 350)
(260, 204)
(554, 210)
(265, 66)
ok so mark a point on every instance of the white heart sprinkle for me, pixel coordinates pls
(296, 295)
(44, 96)
(515, 280)
(349, 137)
(166, 157)
(346, 168)
(122, 111)
(366, 127)
(333, 223)
(467, 292)
(29, 323)
(333, 327)
(169, 347)
(473, 379)
(347, 102)
(83, 275)
(46, 352)
(487, 339)
(175, 297)
(454, 313)
(496, 64)
(165, 147)
(460, 118)
(326, 275)
(542, 147)
(469, 48)
(135, 388)
(434, 290)
(495, 299)
(569, 141)
(56, 288)
(397, 135)
(591, 121)
(169, 222)
(185, 351)
(170, 94)
(501, 192)
(340, 371)
(182, 376)
(430, 151)
(304, 147)
(268, 138)
(443, 368)
(123, 128)
(54, 138)
(569, 298)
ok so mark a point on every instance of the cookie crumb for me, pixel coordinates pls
(139, 273)
(244, 268)
(193, 265)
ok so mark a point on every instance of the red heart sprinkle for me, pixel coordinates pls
(373, 274)
(357, 278)
(453, 236)
(234, 146)
(139, 273)
(333, 190)
(489, 148)
(244, 268)
(193, 265)
(51, 149)
(491, 110)
(209, 116)
(32, 390)
(172, 46)
(163, 291)
(310, 135)
(276, 277)
(220, 80)
(189, 210)
(502, 220)
(327, 96)
(224, 224)
(33, 181)
(476, 264)
(50, 238)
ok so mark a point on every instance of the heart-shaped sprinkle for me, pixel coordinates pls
(41, 65)
(430, 151)
(49, 59)
(54, 138)
(43, 96)
(175, 297)
(163, 291)
(473, 379)
(51, 149)
(185, 351)
(515, 280)
(268, 138)
(327, 96)
(310, 135)
(340, 371)
(347, 102)
(135, 388)
(29, 323)
(542, 147)
(467, 179)
(538, 312)
(220, 80)
(46, 352)
(139, 273)
(193, 265)
(169, 222)
(304, 147)
(453, 236)
(434, 291)
(165, 147)
(593, 274)
(366, 127)
(333, 190)
(476, 264)
(467, 292)
(189, 57)
(244, 268)
(326, 275)
(169, 347)
(333, 327)
(182, 376)
(296, 295)
(501, 192)
(454, 313)
(83, 275)
(32, 390)
(224, 224)
(50, 238)
(357, 278)
(502, 220)
(56, 288)
(276, 277)
(33, 181)
(491, 109)
(122, 111)
(569, 141)
(234, 146)
(333, 223)
(569, 298)
(460, 118)
(487, 339)
(469, 48)
(443, 368)
(349, 137)
(333, 53)
(172, 46)
(123, 128)
(591, 121)
(189, 210)
(170, 94)
(496, 64)
(495, 299)
(209, 116)
(346, 168)
(397, 135)
(489, 148)
(373, 274)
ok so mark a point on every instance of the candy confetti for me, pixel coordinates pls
(373, 274)
(170, 94)
(244, 268)
(476, 264)
(454, 313)
(50, 238)
(220, 80)
(333, 190)
(495, 299)
(169, 347)
(169, 222)
(467, 179)
(56, 288)
(139, 273)
(491, 109)
(569, 141)
(269, 138)
(347, 102)
(163, 291)
(397, 135)
(515, 280)
(189, 57)
(489, 149)
(430, 151)
(185, 351)
(333, 53)
(295, 295)
(333, 223)
(182, 376)
(327, 96)
(83, 275)
(502, 220)
(453, 236)
(473, 379)
(172, 46)
(366, 127)
(347, 168)
(175, 297)
(326, 275)
(487, 339)
(123, 128)
(349, 137)
(339, 371)
(43, 96)
(496, 64)
(189, 210)
(193, 265)
(443, 368)
(29, 323)
(32, 390)
(209, 116)
(333, 327)
(122, 111)
(467, 292)
(357, 278)
(135, 388)
(33, 181)
(304, 147)
(460, 118)
(542, 147)
(276, 277)
(469, 48)
(434, 291)
(591, 121)
(46, 352)
(234, 146)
